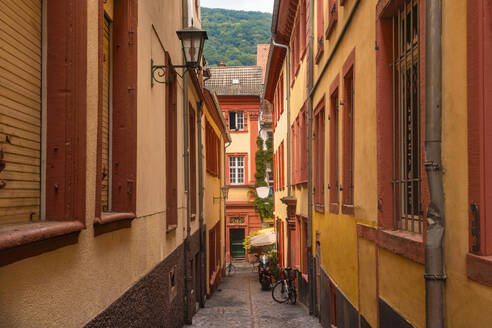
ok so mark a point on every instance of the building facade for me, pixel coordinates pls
(238, 89)
(103, 219)
(374, 224)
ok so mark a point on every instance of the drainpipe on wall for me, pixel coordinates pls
(187, 280)
(287, 79)
(203, 267)
(434, 253)
(310, 162)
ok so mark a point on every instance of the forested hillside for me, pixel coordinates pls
(233, 35)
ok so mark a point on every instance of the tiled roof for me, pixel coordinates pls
(235, 81)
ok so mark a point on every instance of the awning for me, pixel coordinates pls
(264, 239)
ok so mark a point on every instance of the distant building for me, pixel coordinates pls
(239, 90)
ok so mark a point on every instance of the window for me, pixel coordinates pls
(282, 165)
(24, 84)
(117, 130)
(236, 170)
(212, 149)
(304, 248)
(304, 143)
(406, 113)
(106, 116)
(236, 121)
(348, 143)
(332, 17)
(303, 26)
(193, 169)
(479, 134)
(294, 158)
(319, 156)
(334, 161)
(171, 149)
(319, 28)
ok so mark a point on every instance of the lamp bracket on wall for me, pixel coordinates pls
(158, 72)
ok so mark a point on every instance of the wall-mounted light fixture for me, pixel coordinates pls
(224, 193)
(192, 41)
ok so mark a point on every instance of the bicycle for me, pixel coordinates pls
(230, 269)
(284, 289)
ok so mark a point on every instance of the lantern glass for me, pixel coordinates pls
(193, 40)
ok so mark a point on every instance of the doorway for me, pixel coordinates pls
(237, 239)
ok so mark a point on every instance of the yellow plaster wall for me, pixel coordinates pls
(85, 278)
(338, 242)
(213, 203)
(468, 304)
(359, 36)
(338, 234)
(368, 305)
(402, 285)
(241, 144)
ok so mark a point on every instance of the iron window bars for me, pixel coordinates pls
(406, 117)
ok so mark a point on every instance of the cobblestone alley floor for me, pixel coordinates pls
(239, 302)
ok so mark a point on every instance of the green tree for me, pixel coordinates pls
(233, 35)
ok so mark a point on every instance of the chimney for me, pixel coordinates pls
(221, 64)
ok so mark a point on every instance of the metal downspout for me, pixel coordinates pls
(434, 253)
(287, 79)
(200, 205)
(311, 263)
(186, 156)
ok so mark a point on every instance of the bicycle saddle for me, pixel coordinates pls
(288, 268)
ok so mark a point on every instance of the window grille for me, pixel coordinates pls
(406, 117)
(236, 170)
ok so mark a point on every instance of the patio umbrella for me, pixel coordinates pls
(265, 239)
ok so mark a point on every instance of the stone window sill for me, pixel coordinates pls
(172, 227)
(320, 208)
(348, 209)
(479, 268)
(403, 243)
(22, 240)
(111, 221)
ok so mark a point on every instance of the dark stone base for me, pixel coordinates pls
(302, 290)
(389, 318)
(150, 302)
(346, 315)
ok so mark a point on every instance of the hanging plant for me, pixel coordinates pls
(263, 160)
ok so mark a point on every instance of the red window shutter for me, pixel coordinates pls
(334, 185)
(319, 22)
(333, 17)
(245, 119)
(302, 25)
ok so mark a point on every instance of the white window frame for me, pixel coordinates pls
(238, 120)
(236, 170)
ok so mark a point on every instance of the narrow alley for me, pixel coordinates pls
(239, 302)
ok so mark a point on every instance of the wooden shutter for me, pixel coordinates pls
(20, 110)
(106, 112)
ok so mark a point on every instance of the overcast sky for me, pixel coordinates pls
(249, 5)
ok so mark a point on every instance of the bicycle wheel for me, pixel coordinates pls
(279, 292)
(292, 295)
(230, 269)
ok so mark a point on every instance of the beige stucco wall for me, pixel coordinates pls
(81, 280)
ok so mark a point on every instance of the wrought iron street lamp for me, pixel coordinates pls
(192, 42)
